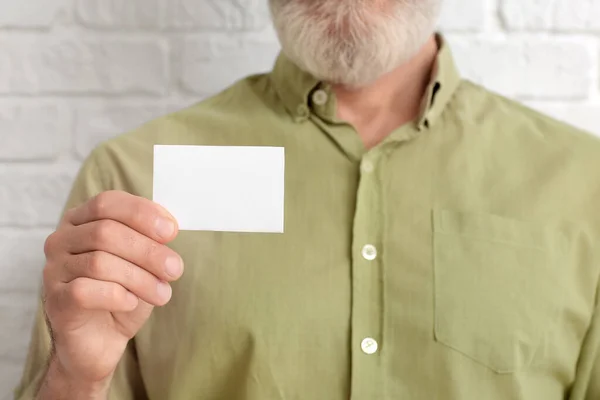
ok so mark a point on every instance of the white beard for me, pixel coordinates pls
(353, 42)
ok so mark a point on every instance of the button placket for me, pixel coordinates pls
(367, 284)
(367, 167)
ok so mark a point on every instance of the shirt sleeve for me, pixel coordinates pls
(127, 383)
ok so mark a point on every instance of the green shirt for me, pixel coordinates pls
(458, 259)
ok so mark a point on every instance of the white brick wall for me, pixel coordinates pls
(74, 72)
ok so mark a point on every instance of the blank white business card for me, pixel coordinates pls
(221, 188)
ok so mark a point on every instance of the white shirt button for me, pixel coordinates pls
(369, 346)
(369, 252)
(367, 166)
(320, 97)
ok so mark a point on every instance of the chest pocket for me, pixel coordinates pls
(497, 290)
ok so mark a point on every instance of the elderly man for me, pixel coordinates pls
(441, 242)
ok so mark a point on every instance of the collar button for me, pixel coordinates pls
(320, 97)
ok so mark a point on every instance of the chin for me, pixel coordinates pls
(353, 43)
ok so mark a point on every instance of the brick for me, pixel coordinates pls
(583, 116)
(217, 14)
(212, 63)
(529, 69)
(463, 15)
(119, 13)
(556, 15)
(95, 124)
(37, 132)
(72, 66)
(30, 13)
(34, 195)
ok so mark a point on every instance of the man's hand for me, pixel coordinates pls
(107, 267)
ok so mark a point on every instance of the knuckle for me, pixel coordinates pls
(130, 271)
(139, 213)
(78, 292)
(99, 204)
(101, 232)
(94, 263)
(132, 239)
(151, 250)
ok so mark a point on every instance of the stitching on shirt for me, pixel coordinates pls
(504, 242)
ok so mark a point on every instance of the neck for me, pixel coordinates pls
(391, 101)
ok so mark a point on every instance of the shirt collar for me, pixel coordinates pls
(295, 87)
(444, 82)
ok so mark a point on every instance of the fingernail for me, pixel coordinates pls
(164, 290)
(174, 266)
(164, 228)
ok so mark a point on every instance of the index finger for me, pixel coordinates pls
(140, 214)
